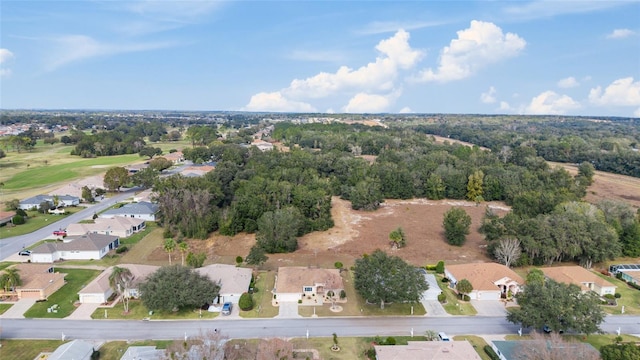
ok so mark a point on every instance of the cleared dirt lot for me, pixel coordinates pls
(359, 232)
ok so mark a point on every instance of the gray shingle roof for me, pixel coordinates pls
(87, 242)
(141, 207)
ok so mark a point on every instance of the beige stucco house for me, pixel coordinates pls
(490, 281)
(295, 283)
(587, 280)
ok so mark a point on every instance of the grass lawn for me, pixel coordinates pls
(350, 347)
(145, 246)
(477, 342)
(137, 311)
(76, 279)
(114, 350)
(630, 298)
(265, 281)
(5, 307)
(357, 306)
(454, 306)
(597, 341)
(34, 222)
(26, 349)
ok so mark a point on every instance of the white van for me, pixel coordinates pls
(443, 337)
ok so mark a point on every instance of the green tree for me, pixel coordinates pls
(120, 281)
(149, 151)
(474, 186)
(278, 230)
(366, 195)
(145, 178)
(196, 260)
(172, 288)
(169, 246)
(380, 278)
(558, 306)
(115, 178)
(245, 303)
(398, 238)
(626, 351)
(535, 276)
(456, 226)
(159, 164)
(464, 287)
(10, 278)
(587, 171)
(435, 188)
(184, 248)
(256, 255)
(13, 204)
(440, 267)
(87, 194)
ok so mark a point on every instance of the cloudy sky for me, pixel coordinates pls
(484, 57)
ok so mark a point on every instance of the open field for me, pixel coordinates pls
(607, 186)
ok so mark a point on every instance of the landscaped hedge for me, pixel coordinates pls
(492, 354)
(246, 302)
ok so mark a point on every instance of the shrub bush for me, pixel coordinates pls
(440, 267)
(492, 354)
(18, 220)
(21, 212)
(338, 265)
(617, 295)
(390, 341)
(466, 298)
(238, 259)
(246, 302)
(609, 296)
(430, 267)
(122, 249)
(442, 297)
(343, 294)
(444, 280)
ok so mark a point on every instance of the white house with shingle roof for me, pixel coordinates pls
(98, 290)
(489, 280)
(141, 210)
(233, 280)
(118, 225)
(35, 201)
(83, 247)
(295, 282)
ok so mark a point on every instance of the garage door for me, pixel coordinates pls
(488, 295)
(91, 299)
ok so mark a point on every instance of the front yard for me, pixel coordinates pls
(454, 306)
(137, 311)
(35, 221)
(262, 308)
(64, 298)
(630, 298)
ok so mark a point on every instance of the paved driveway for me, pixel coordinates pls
(489, 307)
(18, 309)
(83, 312)
(288, 309)
(434, 289)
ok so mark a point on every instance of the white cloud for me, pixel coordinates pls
(620, 34)
(504, 106)
(550, 103)
(483, 43)
(73, 48)
(621, 92)
(405, 110)
(489, 96)
(396, 54)
(568, 82)
(274, 101)
(5, 55)
(368, 103)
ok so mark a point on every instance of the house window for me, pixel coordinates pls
(308, 289)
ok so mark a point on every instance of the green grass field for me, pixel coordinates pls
(34, 222)
(262, 299)
(26, 349)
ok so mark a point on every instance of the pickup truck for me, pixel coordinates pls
(60, 232)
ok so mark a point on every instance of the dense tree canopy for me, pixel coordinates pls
(627, 351)
(559, 306)
(456, 226)
(278, 230)
(177, 287)
(380, 278)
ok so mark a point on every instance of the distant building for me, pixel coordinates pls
(427, 350)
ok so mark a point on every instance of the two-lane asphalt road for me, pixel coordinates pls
(260, 328)
(12, 245)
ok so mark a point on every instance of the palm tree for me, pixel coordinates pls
(120, 281)
(10, 279)
(183, 247)
(169, 247)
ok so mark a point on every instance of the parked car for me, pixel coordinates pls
(226, 308)
(443, 337)
(60, 232)
(25, 253)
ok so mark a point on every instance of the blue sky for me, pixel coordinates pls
(484, 57)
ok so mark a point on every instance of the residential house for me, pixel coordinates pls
(83, 247)
(490, 281)
(142, 210)
(295, 283)
(428, 350)
(39, 281)
(233, 280)
(98, 291)
(34, 202)
(262, 145)
(6, 217)
(580, 276)
(175, 157)
(197, 170)
(75, 349)
(118, 226)
(143, 353)
(513, 350)
(134, 168)
(627, 272)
